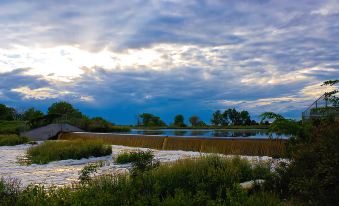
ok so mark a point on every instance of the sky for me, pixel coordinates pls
(117, 59)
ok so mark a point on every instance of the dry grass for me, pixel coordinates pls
(260, 147)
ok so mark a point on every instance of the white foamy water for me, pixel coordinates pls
(64, 172)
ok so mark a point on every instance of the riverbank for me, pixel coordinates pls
(60, 173)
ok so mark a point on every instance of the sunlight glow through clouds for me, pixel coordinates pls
(40, 93)
(167, 57)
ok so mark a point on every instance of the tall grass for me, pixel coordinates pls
(12, 139)
(12, 127)
(260, 147)
(202, 181)
(62, 150)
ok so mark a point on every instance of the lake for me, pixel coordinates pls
(222, 133)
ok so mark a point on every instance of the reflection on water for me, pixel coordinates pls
(255, 133)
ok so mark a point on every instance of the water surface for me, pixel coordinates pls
(231, 133)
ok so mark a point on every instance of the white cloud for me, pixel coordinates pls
(40, 93)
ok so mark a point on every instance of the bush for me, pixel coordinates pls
(61, 150)
(141, 160)
(11, 140)
(9, 191)
(312, 177)
(314, 170)
(285, 126)
(12, 127)
(134, 156)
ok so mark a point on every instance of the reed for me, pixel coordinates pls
(251, 147)
(12, 139)
(61, 150)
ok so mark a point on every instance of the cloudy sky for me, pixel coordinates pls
(119, 58)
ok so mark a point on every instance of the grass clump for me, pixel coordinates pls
(12, 139)
(12, 127)
(201, 181)
(134, 156)
(62, 150)
(141, 160)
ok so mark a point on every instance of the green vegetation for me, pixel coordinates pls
(141, 161)
(134, 156)
(232, 117)
(7, 113)
(196, 121)
(62, 150)
(84, 174)
(202, 181)
(11, 140)
(13, 122)
(313, 174)
(12, 127)
(149, 120)
(179, 121)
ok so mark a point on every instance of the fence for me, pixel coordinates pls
(322, 107)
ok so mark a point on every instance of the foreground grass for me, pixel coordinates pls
(202, 181)
(62, 150)
(12, 139)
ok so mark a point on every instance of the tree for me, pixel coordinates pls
(32, 114)
(99, 124)
(65, 109)
(217, 118)
(233, 116)
(7, 113)
(270, 115)
(225, 117)
(149, 120)
(194, 120)
(179, 121)
(245, 118)
(331, 96)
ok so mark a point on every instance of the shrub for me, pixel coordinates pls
(315, 166)
(11, 140)
(134, 156)
(61, 150)
(12, 127)
(312, 177)
(84, 174)
(9, 190)
(141, 160)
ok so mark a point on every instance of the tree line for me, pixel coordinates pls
(225, 118)
(59, 112)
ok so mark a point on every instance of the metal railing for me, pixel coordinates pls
(324, 106)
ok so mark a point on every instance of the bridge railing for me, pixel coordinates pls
(322, 107)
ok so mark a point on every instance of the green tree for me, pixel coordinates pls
(7, 113)
(99, 124)
(65, 109)
(179, 121)
(331, 96)
(245, 118)
(149, 120)
(233, 116)
(194, 120)
(270, 115)
(217, 118)
(32, 114)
